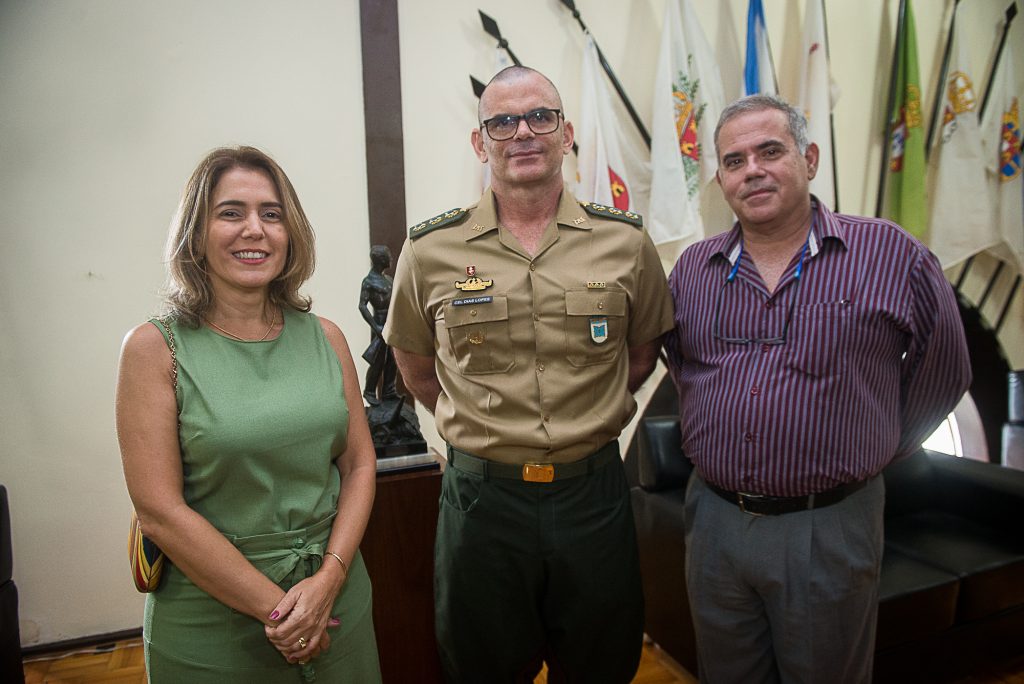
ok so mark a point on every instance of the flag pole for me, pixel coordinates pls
(831, 118)
(491, 27)
(939, 89)
(1006, 305)
(886, 134)
(611, 76)
(1011, 12)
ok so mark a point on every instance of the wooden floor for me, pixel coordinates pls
(122, 663)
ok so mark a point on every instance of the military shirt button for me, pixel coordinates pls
(547, 419)
(533, 267)
(600, 305)
(540, 367)
(472, 312)
(536, 316)
(299, 543)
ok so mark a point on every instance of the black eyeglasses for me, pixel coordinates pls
(716, 330)
(504, 126)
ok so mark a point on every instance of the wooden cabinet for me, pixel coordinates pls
(398, 548)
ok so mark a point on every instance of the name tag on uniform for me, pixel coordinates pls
(472, 300)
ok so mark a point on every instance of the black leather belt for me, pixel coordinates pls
(761, 504)
(532, 472)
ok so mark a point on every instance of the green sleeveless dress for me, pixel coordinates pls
(261, 423)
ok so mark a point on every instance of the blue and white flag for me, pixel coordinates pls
(759, 70)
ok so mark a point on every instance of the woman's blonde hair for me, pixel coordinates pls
(189, 294)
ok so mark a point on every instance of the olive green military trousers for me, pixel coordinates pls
(526, 572)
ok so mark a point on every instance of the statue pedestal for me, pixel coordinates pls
(395, 428)
(405, 462)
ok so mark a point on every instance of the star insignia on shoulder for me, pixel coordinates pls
(601, 210)
(448, 218)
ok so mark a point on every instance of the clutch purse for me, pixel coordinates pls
(145, 558)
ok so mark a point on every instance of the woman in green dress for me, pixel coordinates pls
(245, 447)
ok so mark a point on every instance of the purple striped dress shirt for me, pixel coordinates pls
(874, 357)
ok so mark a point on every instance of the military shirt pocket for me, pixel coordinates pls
(819, 339)
(595, 325)
(479, 336)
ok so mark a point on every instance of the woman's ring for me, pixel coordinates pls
(302, 642)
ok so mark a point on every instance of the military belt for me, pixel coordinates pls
(533, 471)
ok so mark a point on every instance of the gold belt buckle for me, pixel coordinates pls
(538, 472)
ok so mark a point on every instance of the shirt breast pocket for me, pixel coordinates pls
(595, 325)
(819, 339)
(479, 336)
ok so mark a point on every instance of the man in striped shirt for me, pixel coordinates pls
(810, 349)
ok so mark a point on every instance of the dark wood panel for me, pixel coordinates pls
(398, 548)
(382, 111)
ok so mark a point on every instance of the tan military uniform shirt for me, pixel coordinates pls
(533, 362)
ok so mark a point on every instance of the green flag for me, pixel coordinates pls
(905, 189)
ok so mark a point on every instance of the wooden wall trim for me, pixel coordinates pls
(382, 113)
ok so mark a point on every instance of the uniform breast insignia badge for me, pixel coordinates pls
(472, 283)
(599, 329)
(476, 338)
(596, 285)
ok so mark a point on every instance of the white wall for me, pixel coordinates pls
(105, 107)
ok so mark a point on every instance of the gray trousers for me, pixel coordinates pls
(786, 598)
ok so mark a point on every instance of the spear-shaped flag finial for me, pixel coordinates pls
(491, 28)
(478, 87)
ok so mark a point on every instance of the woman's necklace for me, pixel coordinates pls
(273, 322)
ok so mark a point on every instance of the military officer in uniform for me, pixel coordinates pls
(525, 322)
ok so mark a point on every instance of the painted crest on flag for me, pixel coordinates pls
(910, 117)
(960, 99)
(1009, 147)
(620, 193)
(599, 329)
(684, 93)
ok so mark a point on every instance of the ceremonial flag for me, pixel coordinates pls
(688, 99)
(759, 70)
(610, 169)
(1001, 134)
(817, 97)
(905, 186)
(961, 222)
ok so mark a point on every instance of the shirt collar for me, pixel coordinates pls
(824, 224)
(484, 217)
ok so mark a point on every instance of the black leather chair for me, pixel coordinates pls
(952, 584)
(10, 637)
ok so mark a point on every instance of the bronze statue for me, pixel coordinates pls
(376, 293)
(393, 423)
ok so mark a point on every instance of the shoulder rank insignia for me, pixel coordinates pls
(612, 213)
(448, 218)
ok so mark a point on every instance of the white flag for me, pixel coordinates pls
(688, 99)
(759, 69)
(1001, 135)
(610, 169)
(960, 217)
(817, 99)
